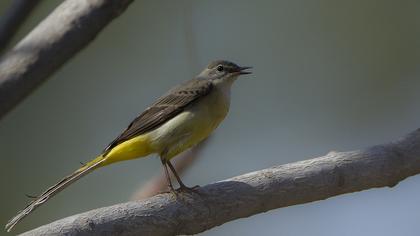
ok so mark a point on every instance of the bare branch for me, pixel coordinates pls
(10, 22)
(68, 29)
(280, 186)
(181, 164)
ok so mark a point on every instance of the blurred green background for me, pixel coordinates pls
(328, 75)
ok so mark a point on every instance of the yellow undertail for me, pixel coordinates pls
(133, 148)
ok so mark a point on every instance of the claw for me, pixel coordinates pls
(181, 189)
(169, 190)
(184, 188)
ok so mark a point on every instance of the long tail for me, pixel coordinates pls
(53, 190)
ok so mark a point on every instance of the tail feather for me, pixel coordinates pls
(53, 190)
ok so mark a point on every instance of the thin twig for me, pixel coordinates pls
(249, 194)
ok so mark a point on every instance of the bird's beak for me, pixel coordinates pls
(243, 72)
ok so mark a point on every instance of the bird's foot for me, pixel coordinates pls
(182, 189)
(170, 189)
(164, 191)
(185, 189)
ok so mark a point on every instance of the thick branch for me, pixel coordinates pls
(296, 183)
(68, 29)
(10, 22)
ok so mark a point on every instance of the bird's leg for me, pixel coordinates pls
(168, 178)
(182, 186)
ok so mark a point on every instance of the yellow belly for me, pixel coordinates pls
(178, 134)
(190, 127)
(130, 149)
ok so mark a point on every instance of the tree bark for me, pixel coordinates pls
(15, 15)
(249, 194)
(67, 30)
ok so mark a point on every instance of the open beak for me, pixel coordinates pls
(243, 72)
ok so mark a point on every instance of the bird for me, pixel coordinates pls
(175, 122)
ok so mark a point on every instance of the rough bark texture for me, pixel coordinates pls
(280, 186)
(68, 29)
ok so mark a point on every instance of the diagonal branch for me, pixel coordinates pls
(67, 30)
(15, 15)
(242, 196)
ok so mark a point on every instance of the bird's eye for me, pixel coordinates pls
(219, 68)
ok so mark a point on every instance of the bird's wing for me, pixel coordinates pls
(164, 109)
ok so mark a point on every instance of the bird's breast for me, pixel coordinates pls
(192, 125)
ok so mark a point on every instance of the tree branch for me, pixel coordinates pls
(10, 22)
(242, 196)
(68, 29)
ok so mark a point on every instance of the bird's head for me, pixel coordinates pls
(222, 70)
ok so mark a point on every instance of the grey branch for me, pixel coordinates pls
(10, 22)
(242, 196)
(67, 30)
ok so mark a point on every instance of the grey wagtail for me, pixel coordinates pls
(178, 120)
